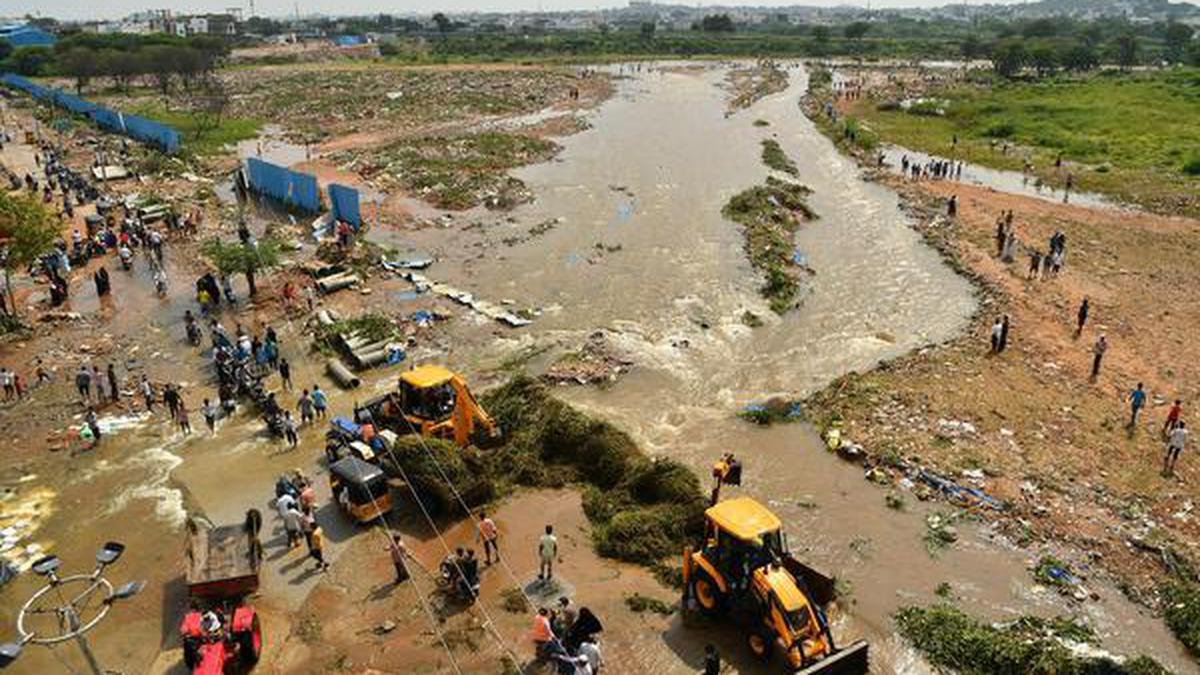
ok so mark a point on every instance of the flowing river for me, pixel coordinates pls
(638, 249)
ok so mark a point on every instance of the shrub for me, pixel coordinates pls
(1192, 166)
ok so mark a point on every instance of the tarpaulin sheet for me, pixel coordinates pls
(344, 204)
(138, 128)
(285, 185)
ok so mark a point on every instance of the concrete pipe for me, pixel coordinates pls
(341, 374)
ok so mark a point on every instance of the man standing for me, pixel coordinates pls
(147, 393)
(113, 384)
(1137, 400)
(1003, 333)
(1082, 317)
(489, 536)
(210, 416)
(83, 383)
(320, 403)
(305, 406)
(547, 552)
(1176, 442)
(996, 328)
(398, 552)
(1098, 350)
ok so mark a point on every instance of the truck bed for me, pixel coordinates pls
(222, 561)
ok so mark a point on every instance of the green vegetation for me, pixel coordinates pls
(1181, 608)
(512, 599)
(642, 510)
(1153, 163)
(774, 157)
(28, 232)
(952, 640)
(202, 133)
(638, 603)
(459, 172)
(248, 259)
(769, 215)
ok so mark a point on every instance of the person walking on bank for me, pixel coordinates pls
(1176, 442)
(1172, 418)
(488, 534)
(1137, 400)
(996, 328)
(1098, 350)
(547, 552)
(1082, 317)
(399, 554)
(1003, 334)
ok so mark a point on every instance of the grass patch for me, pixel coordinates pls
(952, 640)
(1181, 608)
(460, 172)
(197, 139)
(774, 157)
(1151, 163)
(638, 603)
(769, 215)
(513, 600)
(642, 510)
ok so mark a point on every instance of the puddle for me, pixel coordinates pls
(1012, 182)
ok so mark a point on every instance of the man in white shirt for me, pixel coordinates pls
(1176, 442)
(590, 651)
(547, 552)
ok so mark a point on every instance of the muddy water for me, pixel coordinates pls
(651, 177)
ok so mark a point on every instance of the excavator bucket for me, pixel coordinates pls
(816, 586)
(851, 660)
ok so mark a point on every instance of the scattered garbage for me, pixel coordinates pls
(487, 309)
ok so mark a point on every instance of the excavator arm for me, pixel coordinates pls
(468, 412)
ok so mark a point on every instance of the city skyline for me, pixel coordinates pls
(71, 10)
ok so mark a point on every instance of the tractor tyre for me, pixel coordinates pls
(760, 645)
(709, 597)
(250, 644)
(191, 653)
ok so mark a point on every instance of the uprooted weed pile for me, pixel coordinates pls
(769, 215)
(327, 100)
(951, 639)
(461, 171)
(641, 509)
(1181, 608)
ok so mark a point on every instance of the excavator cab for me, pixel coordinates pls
(434, 402)
(744, 570)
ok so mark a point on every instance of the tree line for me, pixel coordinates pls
(164, 61)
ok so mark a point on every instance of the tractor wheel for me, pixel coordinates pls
(708, 594)
(760, 645)
(250, 644)
(191, 653)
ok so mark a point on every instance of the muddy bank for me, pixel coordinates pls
(1034, 424)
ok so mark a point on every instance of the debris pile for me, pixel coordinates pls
(594, 363)
(769, 215)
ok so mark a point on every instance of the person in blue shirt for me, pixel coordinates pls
(1137, 401)
(320, 403)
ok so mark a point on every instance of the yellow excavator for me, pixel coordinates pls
(743, 570)
(433, 401)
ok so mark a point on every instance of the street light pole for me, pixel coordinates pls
(81, 641)
(71, 626)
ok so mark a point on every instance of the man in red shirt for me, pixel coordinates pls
(1172, 417)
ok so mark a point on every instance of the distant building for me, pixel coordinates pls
(26, 35)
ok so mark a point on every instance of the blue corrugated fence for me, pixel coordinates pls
(289, 187)
(344, 204)
(138, 128)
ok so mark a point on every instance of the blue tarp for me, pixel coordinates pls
(137, 128)
(348, 40)
(344, 204)
(285, 185)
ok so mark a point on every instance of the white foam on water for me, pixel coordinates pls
(156, 463)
